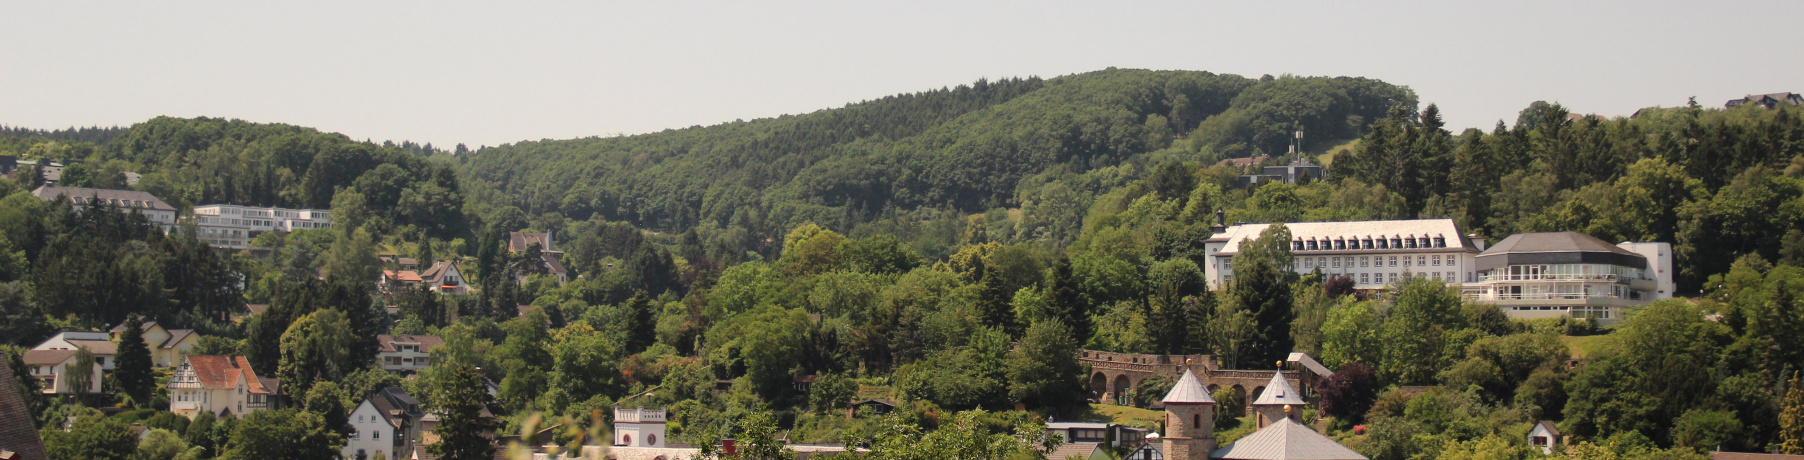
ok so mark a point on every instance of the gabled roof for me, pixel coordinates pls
(1278, 392)
(518, 241)
(552, 265)
(1285, 439)
(18, 434)
(225, 372)
(438, 271)
(426, 342)
(403, 275)
(1551, 430)
(1188, 390)
(176, 336)
(146, 327)
(47, 357)
(97, 347)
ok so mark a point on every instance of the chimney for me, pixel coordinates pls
(1477, 241)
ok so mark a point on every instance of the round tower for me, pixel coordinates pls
(1189, 420)
(1279, 401)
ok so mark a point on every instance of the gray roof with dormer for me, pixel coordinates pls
(1278, 392)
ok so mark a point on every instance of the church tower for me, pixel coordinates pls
(1279, 400)
(1189, 420)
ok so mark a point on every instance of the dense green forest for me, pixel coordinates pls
(951, 249)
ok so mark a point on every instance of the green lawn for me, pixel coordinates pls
(1587, 346)
(1124, 415)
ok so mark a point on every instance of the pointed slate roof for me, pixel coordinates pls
(1286, 439)
(1278, 392)
(1189, 390)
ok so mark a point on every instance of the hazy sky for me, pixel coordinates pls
(498, 72)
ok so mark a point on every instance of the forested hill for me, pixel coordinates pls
(964, 149)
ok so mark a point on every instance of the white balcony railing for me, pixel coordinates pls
(1547, 277)
(1540, 296)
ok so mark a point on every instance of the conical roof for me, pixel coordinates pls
(1278, 392)
(1189, 390)
(1286, 439)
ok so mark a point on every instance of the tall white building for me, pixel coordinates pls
(1372, 253)
(233, 226)
(1545, 275)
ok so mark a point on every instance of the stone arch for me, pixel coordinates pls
(1212, 388)
(1099, 385)
(1254, 396)
(1121, 386)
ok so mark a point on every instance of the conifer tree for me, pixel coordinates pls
(132, 370)
(1791, 418)
(461, 426)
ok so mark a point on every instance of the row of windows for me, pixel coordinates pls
(1368, 261)
(141, 204)
(1395, 242)
(1387, 278)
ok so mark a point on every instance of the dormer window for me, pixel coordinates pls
(1396, 243)
(1296, 245)
(1383, 243)
(1440, 242)
(1340, 244)
(1312, 246)
(1368, 243)
(1410, 243)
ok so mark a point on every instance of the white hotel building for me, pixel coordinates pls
(233, 226)
(1372, 253)
(1532, 275)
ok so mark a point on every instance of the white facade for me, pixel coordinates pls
(217, 384)
(1371, 253)
(233, 226)
(51, 368)
(639, 427)
(406, 353)
(371, 434)
(105, 352)
(1565, 274)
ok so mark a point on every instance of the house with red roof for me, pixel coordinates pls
(221, 385)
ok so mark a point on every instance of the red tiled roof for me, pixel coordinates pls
(402, 275)
(226, 372)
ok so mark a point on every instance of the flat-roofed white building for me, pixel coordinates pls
(1547, 275)
(233, 226)
(1372, 253)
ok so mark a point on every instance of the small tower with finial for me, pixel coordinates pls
(1189, 419)
(1279, 400)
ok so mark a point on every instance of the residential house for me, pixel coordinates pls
(159, 213)
(518, 242)
(1373, 253)
(406, 353)
(18, 434)
(52, 367)
(220, 385)
(445, 277)
(104, 350)
(1544, 437)
(384, 424)
(1771, 100)
(397, 281)
(167, 346)
(1541, 275)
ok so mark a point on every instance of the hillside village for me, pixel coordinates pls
(1166, 287)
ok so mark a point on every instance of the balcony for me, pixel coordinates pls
(1538, 296)
(1546, 277)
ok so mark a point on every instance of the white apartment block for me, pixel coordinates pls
(233, 226)
(1372, 253)
(1546, 275)
(406, 353)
